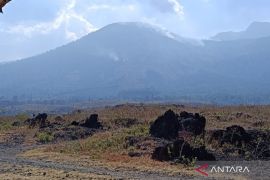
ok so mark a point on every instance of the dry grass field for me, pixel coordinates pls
(217, 116)
(107, 150)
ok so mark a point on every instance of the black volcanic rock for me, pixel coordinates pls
(75, 123)
(179, 150)
(92, 122)
(193, 123)
(166, 126)
(40, 120)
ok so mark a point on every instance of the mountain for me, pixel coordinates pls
(139, 61)
(254, 31)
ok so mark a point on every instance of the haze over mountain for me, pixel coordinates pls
(138, 61)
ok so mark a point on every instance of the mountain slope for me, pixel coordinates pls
(127, 52)
(137, 61)
(254, 31)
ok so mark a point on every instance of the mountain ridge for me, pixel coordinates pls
(253, 31)
(123, 61)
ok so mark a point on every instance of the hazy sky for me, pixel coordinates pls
(34, 26)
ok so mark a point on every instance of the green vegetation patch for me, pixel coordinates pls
(22, 116)
(5, 126)
(44, 137)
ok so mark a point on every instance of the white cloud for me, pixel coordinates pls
(65, 18)
(98, 7)
(206, 1)
(73, 19)
(177, 7)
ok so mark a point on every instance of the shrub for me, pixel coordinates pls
(188, 162)
(45, 137)
(5, 126)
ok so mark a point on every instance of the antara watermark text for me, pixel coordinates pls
(229, 169)
(206, 170)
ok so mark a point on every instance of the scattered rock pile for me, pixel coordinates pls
(169, 127)
(170, 124)
(77, 130)
(38, 121)
(62, 131)
(178, 150)
(234, 135)
(253, 144)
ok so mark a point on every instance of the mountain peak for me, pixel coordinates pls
(259, 27)
(131, 24)
(140, 26)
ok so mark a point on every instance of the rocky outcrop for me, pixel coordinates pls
(40, 120)
(193, 123)
(179, 150)
(166, 126)
(170, 124)
(251, 145)
(92, 122)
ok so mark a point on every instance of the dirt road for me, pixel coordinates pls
(8, 156)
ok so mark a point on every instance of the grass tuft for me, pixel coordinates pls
(5, 126)
(44, 137)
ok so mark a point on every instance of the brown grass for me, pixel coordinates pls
(108, 148)
(217, 117)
